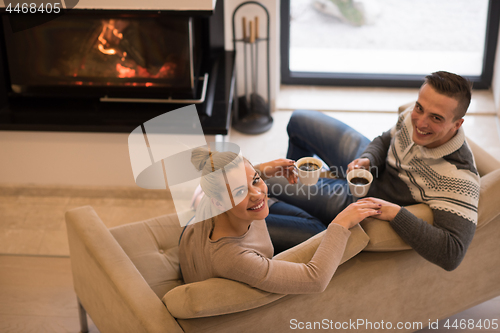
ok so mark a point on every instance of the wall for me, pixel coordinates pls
(79, 159)
(66, 159)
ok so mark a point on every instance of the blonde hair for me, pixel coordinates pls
(208, 162)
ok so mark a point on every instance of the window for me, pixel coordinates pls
(387, 42)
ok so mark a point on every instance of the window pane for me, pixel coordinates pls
(387, 36)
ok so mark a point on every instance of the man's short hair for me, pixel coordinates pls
(454, 86)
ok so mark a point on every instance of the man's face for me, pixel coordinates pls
(433, 118)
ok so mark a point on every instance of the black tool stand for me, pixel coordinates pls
(252, 114)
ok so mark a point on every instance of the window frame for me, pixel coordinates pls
(482, 81)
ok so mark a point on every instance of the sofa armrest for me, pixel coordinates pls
(489, 193)
(107, 283)
(485, 162)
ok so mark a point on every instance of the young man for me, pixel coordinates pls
(423, 159)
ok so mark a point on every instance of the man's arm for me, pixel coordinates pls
(377, 150)
(444, 243)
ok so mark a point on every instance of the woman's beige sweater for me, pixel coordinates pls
(248, 259)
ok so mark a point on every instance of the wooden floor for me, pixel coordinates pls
(36, 295)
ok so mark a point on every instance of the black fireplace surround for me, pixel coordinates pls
(110, 71)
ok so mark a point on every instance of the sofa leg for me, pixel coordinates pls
(82, 314)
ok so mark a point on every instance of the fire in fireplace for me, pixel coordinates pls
(118, 52)
(128, 53)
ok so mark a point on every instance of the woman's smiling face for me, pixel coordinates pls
(249, 195)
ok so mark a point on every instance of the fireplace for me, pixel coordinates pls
(102, 70)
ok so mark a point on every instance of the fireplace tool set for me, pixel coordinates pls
(252, 112)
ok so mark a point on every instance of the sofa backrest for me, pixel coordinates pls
(152, 246)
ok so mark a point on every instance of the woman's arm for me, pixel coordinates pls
(278, 276)
(280, 167)
(283, 277)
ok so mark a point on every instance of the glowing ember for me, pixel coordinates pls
(167, 70)
(125, 71)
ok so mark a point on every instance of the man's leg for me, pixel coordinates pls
(323, 200)
(335, 143)
(312, 132)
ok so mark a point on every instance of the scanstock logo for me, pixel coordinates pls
(23, 15)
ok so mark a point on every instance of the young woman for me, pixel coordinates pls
(234, 243)
(288, 225)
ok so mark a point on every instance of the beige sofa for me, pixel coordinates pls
(128, 280)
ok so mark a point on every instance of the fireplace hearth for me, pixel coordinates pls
(110, 71)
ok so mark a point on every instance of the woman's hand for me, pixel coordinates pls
(388, 210)
(359, 163)
(357, 212)
(280, 167)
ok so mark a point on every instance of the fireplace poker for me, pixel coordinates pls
(252, 72)
(245, 57)
(257, 103)
(256, 54)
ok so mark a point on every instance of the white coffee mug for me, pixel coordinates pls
(359, 190)
(309, 177)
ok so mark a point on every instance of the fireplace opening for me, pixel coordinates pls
(148, 57)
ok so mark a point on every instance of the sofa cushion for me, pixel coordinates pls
(218, 296)
(214, 297)
(384, 238)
